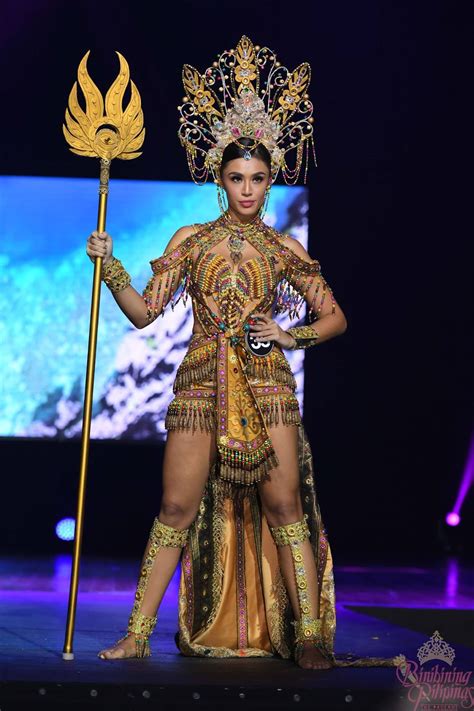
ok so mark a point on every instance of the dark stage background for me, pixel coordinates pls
(387, 405)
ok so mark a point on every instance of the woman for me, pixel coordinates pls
(239, 506)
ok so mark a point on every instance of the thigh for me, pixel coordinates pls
(282, 487)
(187, 461)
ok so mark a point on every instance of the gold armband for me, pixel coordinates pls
(115, 276)
(304, 336)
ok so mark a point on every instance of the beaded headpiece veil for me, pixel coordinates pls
(246, 93)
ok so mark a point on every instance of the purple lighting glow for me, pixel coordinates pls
(65, 529)
(452, 519)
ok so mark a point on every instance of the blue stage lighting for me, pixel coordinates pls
(65, 529)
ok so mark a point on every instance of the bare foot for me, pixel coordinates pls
(123, 649)
(311, 657)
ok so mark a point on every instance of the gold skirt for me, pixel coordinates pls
(195, 388)
(232, 597)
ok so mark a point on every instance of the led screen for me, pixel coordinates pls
(45, 292)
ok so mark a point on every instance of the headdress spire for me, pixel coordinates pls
(246, 93)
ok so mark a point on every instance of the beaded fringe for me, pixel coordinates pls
(289, 300)
(236, 475)
(198, 368)
(278, 372)
(228, 489)
(158, 292)
(274, 407)
(190, 415)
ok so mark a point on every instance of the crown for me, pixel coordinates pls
(436, 648)
(248, 94)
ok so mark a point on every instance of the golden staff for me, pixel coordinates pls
(116, 134)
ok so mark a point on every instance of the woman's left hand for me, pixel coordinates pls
(266, 329)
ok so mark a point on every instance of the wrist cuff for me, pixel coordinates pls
(305, 336)
(115, 276)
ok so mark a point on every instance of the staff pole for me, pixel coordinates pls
(103, 131)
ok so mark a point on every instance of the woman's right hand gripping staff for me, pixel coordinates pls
(100, 244)
(133, 304)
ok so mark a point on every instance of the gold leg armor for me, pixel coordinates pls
(142, 626)
(307, 628)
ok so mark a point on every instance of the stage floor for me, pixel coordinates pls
(382, 610)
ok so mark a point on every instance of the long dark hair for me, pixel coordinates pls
(236, 150)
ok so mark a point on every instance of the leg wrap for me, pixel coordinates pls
(307, 628)
(161, 536)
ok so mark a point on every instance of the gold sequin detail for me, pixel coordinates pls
(115, 276)
(139, 624)
(305, 336)
(293, 534)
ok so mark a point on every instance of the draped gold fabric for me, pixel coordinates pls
(232, 598)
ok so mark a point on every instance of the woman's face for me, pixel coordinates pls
(244, 182)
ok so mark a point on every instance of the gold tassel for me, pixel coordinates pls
(198, 366)
(235, 491)
(280, 406)
(274, 369)
(238, 475)
(190, 415)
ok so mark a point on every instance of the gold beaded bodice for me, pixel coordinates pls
(265, 274)
(224, 295)
(234, 290)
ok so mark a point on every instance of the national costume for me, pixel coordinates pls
(232, 598)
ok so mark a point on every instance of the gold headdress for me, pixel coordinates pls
(246, 93)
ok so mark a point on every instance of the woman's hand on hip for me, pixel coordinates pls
(266, 329)
(99, 244)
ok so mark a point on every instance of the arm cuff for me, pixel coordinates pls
(115, 276)
(305, 336)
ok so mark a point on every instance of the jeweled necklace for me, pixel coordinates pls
(239, 231)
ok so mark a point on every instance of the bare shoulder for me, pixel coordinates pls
(296, 247)
(180, 235)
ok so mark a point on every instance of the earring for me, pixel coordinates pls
(263, 209)
(221, 198)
